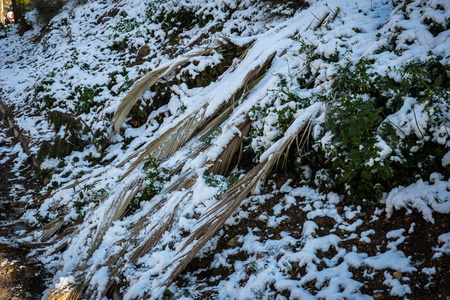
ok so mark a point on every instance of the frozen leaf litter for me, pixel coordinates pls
(251, 142)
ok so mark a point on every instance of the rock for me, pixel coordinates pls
(142, 52)
(233, 242)
(397, 275)
(378, 296)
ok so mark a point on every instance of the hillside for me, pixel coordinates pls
(247, 149)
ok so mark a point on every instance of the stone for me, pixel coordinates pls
(397, 275)
(142, 52)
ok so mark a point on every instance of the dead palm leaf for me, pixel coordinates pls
(152, 78)
(163, 147)
(116, 210)
(217, 214)
(177, 136)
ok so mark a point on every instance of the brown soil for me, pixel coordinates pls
(21, 277)
(418, 245)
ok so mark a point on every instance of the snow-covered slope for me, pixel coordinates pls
(154, 123)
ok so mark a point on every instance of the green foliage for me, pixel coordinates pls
(111, 85)
(125, 24)
(84, 199)
(85, 98)
(434, 27)
(359, 131)
(217, 131)
(119, 43)
(171, 18)
(74, 62)
(218, 181)
(42, 92)
(359, 151)
(168, 295)
(68, 138)
(357, 169)
(174, 18)
(275, 116)
(156, 177)
(42, 219)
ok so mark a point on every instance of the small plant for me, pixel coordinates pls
(119, 43)
(172, 19)
(42, 219)
(42, 92)
(87, 196)
(217, 131)
(114, 77)
(272, 119)
(125, 24)
(85, 98)
(218, 181)
(156, 177)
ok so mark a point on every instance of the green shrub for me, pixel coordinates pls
(366, 153)
(85, 197)
(218, 181)
(85, 98)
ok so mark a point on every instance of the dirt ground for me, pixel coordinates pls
(418, 245)
(21, 277)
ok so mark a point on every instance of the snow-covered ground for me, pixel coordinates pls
(365, 84)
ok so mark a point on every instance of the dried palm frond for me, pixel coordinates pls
(222, 162)
(184, 182)
(168, 143)
(171, 140)
(116, 210)
(217, 214)
(51, 228)
(68, 293)
(152, 78)
(304, 141)
(140, 247)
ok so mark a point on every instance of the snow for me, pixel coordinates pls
(86, 58)
(426, 197)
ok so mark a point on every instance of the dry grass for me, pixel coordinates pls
(116, 210)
